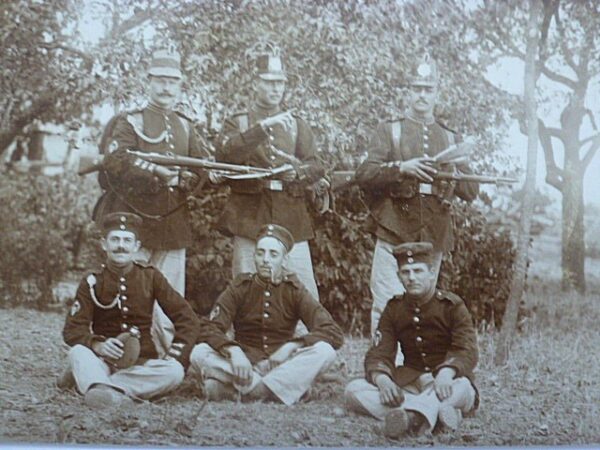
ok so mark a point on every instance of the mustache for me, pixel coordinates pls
(121, 250)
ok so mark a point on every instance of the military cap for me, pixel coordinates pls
(123, 221)
(280, 233)
(269, 66)
(425, 73)
(413, 252)
(165, 63)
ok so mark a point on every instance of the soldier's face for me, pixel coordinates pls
(269, 92)
(164, 91)
(418, 278)
(120, 246)
(422, 99)
(269, 257)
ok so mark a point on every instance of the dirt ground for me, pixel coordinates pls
(548, 394)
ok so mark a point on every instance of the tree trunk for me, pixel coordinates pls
(509, 322)
(573, 231)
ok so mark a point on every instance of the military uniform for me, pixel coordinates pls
(131, 185)
(402, 209)
(107, 304)
(435, 334)
(264, 317)
(253, 203)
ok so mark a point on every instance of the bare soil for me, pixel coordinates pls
(548, 394)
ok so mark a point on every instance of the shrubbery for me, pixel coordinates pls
(43, 220)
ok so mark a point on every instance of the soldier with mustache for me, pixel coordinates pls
(116, 299)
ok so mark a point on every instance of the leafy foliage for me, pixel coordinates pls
(42, 221)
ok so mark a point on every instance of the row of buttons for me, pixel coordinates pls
(123, 298)
(419, 339)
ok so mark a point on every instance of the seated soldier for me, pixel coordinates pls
(439, 344)
(265, 361)
(117, 299)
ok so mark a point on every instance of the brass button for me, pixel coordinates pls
(265, 346)
(267, 294)
(125, 309)
(122, 280)
(427, 369)
(417, 310)
(267, 304)
(416, 319)
(419, 339)
(265, 338)
(123, 297)
(123, 287)
(124, 326)
(266, 315)
(423, 354)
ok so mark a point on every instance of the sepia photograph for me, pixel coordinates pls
(320, 223)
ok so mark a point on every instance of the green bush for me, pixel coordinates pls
(43, 220)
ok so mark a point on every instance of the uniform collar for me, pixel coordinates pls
(157, 109)
(264, 111)
(119, 271)
(427, 121)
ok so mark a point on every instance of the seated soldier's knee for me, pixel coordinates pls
(356, 386)
(79, 351)
(325, 350)
(173, 373)
(199, 354)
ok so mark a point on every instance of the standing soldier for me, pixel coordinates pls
(158, 194)
(406, 203)
(267, 136)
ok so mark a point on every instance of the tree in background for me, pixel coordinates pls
(570, 59)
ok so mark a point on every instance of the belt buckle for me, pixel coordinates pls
(275, 185)
(425, 188)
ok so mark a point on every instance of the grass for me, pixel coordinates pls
(548, 393)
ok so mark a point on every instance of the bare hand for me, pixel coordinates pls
(242, 367)
(282, 354)
(169, 176)
(284, 119)
(443, 383)
(110, 348)
(390, 393)
(420, 168)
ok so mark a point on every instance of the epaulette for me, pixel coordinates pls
(242, 278)
(142, 264)
(292, 278)
(445, 127)
(447, 295)
(184, 116)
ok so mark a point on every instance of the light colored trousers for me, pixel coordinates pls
(363, 397)
(154, 377)
(288, 381)
(385, 282)
(299, 262)
(171, 263)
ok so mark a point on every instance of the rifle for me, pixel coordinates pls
(344, 179)
(230, 171)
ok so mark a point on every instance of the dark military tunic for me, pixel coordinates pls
(399, 213)
(127, 300)
(131, 184)
(254, 203)
(437, 334)
(264, 316)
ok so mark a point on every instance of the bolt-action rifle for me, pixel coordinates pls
(344, 179)
(230, 171)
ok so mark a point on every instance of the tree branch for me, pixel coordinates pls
(67, 48)
(554, 175)
(563, 42)
(557, 77)
(591, 151)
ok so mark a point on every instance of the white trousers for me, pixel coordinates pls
(171, 263)
(299, 262)
(363, 397)
(154, 377)
(288, 381)
(385, 282)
